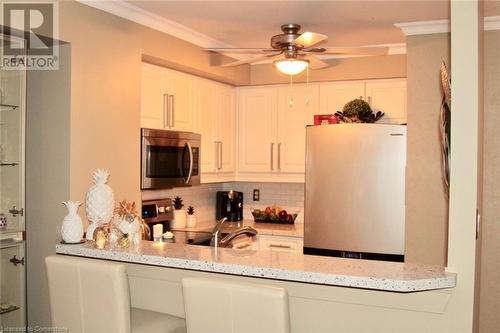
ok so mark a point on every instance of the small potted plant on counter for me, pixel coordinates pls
(191, 218)
(179, 214)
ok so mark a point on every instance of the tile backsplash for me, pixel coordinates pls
(289, 196)
(201, 197)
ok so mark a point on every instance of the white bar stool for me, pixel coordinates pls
(93, 296)
(223, 306)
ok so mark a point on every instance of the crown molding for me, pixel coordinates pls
(424, 27)
(133, 13)
(441, 26)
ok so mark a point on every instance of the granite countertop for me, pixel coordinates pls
(356, 273)
(274, 229)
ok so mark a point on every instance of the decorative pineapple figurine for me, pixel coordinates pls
(99, 202)
(179, 214)
(191, 218)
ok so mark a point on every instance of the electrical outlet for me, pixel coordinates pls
(256, 195)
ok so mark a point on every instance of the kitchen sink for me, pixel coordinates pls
(204, 238)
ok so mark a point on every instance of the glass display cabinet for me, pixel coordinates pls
(12, 196)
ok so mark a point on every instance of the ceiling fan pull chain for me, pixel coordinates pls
(307, 84)
(290, 101)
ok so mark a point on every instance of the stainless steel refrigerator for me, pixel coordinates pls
(355, 191)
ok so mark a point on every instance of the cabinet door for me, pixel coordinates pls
(226, 127)
(333, 96)
(181, 95)
(152, 97)
(296, 109)
(388, 96)
(206, 114)
(256, 129)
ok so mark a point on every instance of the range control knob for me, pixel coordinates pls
(161, 209)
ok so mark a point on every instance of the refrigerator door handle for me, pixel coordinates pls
(272, 156)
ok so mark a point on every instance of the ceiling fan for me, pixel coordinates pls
(292, 52)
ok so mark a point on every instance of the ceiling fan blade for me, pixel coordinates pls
(310, 39)
(362, 50)
(314, 62)
(251, 60)
(242, 50)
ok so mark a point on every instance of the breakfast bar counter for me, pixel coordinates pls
(295, 267)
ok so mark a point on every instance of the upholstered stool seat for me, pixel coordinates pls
(224, 306)
(91, 296)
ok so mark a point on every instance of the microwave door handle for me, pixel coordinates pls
(190, 163)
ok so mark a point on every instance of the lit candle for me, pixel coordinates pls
(157, 231)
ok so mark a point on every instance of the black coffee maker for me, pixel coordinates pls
(229, 205)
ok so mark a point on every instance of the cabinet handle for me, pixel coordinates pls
(165, 110)
(280, 246)
(220, 155)
(272, 156)
(16, 261)
(279, 156)
(172, 111)
(216, 155)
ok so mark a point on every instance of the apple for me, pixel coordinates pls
(268, 210)
(283, 214)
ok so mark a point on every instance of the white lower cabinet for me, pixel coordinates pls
(278, 243)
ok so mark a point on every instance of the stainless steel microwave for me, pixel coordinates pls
(169, 159)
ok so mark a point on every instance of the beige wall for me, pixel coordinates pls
(380, 67)
(47, 176)
(105, 91)
(489, 321)
(426, 202)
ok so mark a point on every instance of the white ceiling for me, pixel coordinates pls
(252, 23)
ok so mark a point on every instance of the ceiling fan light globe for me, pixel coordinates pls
(291, 66)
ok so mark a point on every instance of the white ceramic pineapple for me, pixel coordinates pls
(99, 202)
(72, 226)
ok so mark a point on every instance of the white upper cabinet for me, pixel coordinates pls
(206, 114)
(226, 127)
(271, 130)
(388, 96)
(215, 105)
(257, 129)
(166, 99)
(333, 96)
(180, 91)
(296, 110)
(153, 88)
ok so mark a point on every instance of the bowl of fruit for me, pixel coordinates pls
(273, 214)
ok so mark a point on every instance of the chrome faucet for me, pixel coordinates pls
(226, 241)
(216, 232)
